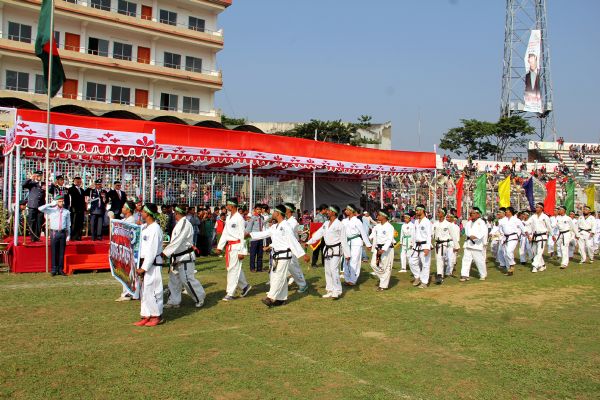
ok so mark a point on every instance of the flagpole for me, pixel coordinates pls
(49, 87)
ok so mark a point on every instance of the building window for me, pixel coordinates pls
(168, 17)
(71, 1)
(101, 4)
(17, 81)
(40, 84)
(191, 105)
(172, 60)
(19, 32)
(196, 24)
(127, 8)
(98, 47)
(122, 51)
(95, 91)
(193, 64)
(168, 102)
(120, 95)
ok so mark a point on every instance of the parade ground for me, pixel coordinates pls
(526, 336)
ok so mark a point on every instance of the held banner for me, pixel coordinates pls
(124, 254)
(533, 94)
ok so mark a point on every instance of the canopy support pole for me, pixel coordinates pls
(18, 196)
(152, 180)
(314, 192)
(144, 179)
(434, 185)
(381, 190)
(10, 179)
(251, 200)
(5, 182)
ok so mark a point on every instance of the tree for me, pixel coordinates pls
(510, 132)
(333, 131)
(227, 121)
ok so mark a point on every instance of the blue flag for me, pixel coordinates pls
(528, 186)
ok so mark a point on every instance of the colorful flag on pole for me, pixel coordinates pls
(550, 200)
(570, 199)
(504, 192)
(480, 194)
(459, 195)
(314, 226)
(528, 186)
(591, 195)
(42, 50)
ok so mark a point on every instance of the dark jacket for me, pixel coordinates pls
(37, 196)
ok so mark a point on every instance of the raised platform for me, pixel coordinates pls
(29, 257)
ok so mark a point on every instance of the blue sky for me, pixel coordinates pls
(293, 60)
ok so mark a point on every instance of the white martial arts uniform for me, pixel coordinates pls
(284, 247)
(597, 237)
(406, 238)
(233, 237)
(357, 236)
(455, 234)
(525, 253)
(541, 230)
(587, 230)
(551, 235)
(124, 292)
(294, 266)
(152, 286)
(566, 231)
(511, 229)
(495, 240)
(444, 245)
(383, 239)
(336, 247)
(418, 261)
(574, 238)
(183, 267)
(474, 248)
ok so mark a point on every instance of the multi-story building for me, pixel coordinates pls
(151, 58)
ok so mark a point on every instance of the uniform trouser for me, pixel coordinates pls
(508, 252)
(185, 277)
(34, 219)
(352, 268)
(451, 261)
(256, 255)
(597, 242)
(500, 254)
(562, 246)
(332, 275)
(384, 270)
(235, 274)
(538, 253)
(420, 265)
(295, 271)
(470, 256)
(404, 253)
(58, 242)
(76, 225)
(442, 259)
(550, 244)
(524, 249)
(495, 248)
(151, 294)
(586, 246)
(278, 287)
(97, 222)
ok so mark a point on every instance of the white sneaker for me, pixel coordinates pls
(540, 269)
(327, 295)
(534, 270)
(373, 274)
(483, 278)
(199, 304)
(402, 271)
(124, 298)
(170, 305)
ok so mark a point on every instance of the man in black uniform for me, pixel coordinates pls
(58, 189)
(77, 208)
(97, 199)
(35, 199)
(117, 199)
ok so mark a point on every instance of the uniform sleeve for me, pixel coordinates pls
(260, 235)
(389, 238)
(455, 236)
(150, 251)
(44, 208)
(224, 238)
(293, 244)
(548, 225)
(180, 242)
(363, 233)
(317, 235)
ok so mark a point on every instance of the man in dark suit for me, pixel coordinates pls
(532, 79)
(35, 199)
(77, 208)
(96, 198)
(58, 189)
(117, 199)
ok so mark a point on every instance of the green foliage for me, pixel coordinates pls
(225, 120)
(4, 222)
(334, 131)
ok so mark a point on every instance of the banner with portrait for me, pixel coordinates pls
(533, 60)
(124, 254)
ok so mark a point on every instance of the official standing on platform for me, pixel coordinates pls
(117, 198)
(383, 249)
(420, 256)
(357, 237)
(58, 189)
(232, 240)
(587, 230)
(541, 228)
(97, 201)
(77, 208)
(35, 199)
(60, 221)
(180, 251)
(566, 232)
(476, 233)
(256, 224)
(151, 294)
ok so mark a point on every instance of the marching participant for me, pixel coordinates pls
(181, 253)
(336, 247)
(597, 237)
(151, 290)
(587, 230)
(406, 236)
(575, 218)
(284, 245)
(566, 231)
(455, 234)
(501, 217)
(524, 245)
(511, 228)
(476, 238)
(128, 217)
(356, 236)
(541, 228)
(444, 245)
(420, 257)
(495, 237)
(232, 240)
(383, 249)
(552, 249)
(294, 267)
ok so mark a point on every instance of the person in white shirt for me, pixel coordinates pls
(501, 217)
(356, 236)
(406, 237)
(151, 292)
(181, 253)
(455, 234)
(573, 244)
(232, 240)
(541, 230)
(566, 231)
(495, 237)
(587, 230)
(444, 246)
(511, 228)
(476, 239)
(336, 247)
(127, 211)
(284, 245)
(367, 224)
(525, 253)
(294, 268)
(420, 256)
(552, 249)
(383, 249)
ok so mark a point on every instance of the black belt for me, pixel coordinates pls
(560, 234)
(506, 237)
(59, 230)
(441, 243)
(418, 248)
(282, 254)
(537, 235)
(329, 251)
(585, 230)
(154, 263)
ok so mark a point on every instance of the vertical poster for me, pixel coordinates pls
(533, 94)
(124, 254)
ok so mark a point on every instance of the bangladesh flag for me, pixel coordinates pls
(42, 50)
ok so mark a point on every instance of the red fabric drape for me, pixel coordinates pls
(459, 195)
(550, 201)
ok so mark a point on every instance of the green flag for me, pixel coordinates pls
(480, 193)
(570, 199)
(42, 50)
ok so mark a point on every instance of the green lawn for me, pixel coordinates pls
(529, 336)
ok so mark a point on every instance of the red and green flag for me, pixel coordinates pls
(42, 49)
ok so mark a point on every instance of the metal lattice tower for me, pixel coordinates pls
(523, 16)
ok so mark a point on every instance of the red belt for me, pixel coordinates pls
(227, 249)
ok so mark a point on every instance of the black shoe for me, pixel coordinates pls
(268, 302)
(52, 273)
(280, 302)
(523, 263)
(62, 274)
(438, 280)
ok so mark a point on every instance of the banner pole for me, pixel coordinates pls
(434, 183)
(251, 194)
(381, 190)
(5, 183)
(144, 179)
(17, 193)
(152, 180)
(314, 186)
(10, 179)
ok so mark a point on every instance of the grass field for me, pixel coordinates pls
(529, 336)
